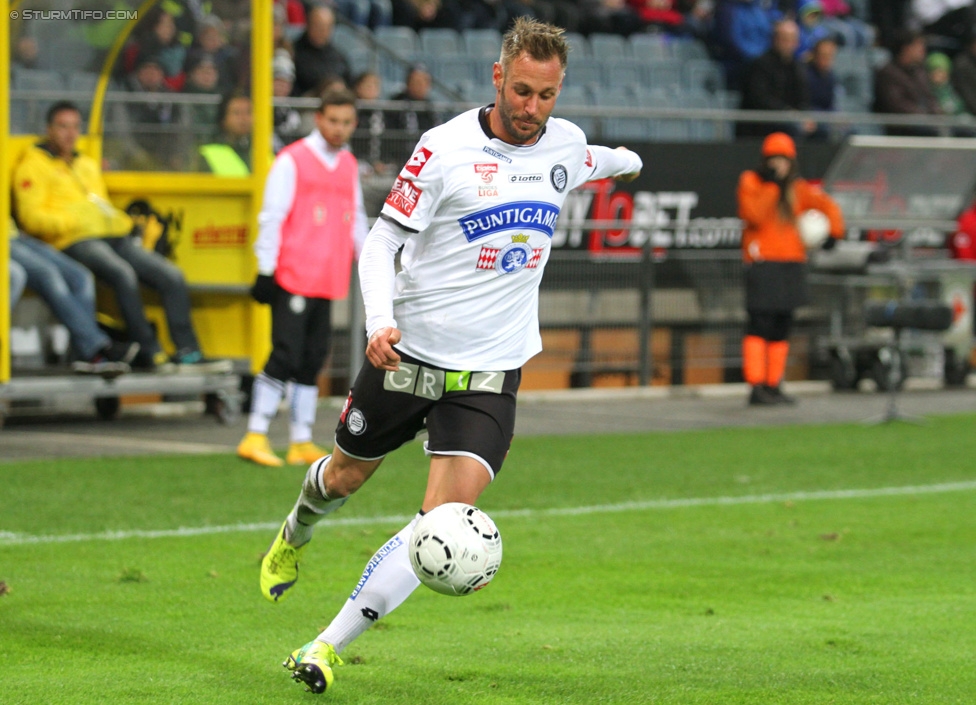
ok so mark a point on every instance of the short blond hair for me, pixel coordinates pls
(539, 40)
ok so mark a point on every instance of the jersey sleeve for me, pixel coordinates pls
(602, 162)
(413, 199)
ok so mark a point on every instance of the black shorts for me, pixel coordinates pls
(465, 412)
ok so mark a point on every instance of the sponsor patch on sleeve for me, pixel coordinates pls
(417, 162)
(404, 196)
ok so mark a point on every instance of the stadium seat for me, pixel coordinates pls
(578, 45)
(622, 71)
(609, 46)
(649, 46)
(402, 41)
(83, 83)
(663, 74)
(362, 60)
(455, 69)
(31, 110)
(702, 75)
(437, 41)
(571, 96)
(347, 39)
(486, 43)
(685, 49)
(582, 71)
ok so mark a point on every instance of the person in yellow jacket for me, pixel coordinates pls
(60, 198)
(771, 198)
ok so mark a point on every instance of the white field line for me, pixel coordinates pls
(8, 538)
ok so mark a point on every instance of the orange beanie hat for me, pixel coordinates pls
(779, 144)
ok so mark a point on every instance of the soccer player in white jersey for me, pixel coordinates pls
(474, 210)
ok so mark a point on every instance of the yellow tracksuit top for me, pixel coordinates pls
(63, 203)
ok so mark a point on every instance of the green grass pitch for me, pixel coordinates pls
(706, 567)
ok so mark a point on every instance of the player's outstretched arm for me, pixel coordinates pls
(631, 175)
(620, 163)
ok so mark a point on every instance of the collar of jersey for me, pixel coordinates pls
(486, 128)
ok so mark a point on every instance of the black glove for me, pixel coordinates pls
(766, 173)
(264, 288)
(829, 244)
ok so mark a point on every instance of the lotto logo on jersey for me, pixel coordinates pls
(404, 196)
(521, 215)
(589, 159)
(418, 160)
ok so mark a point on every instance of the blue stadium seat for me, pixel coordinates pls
(622, 71)
(609, 46)
(663, 74)
(649, 46)
(685, 49)
(29, 112)
(402, 41)
(455, 69)
(440, 40)
(347, 39)
(486, 43)
(578, 45)
(582, 71)
(702, 75)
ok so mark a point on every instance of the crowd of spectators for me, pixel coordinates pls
(775, 55)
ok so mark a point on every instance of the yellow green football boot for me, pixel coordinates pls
(312, 665)
(279, 568)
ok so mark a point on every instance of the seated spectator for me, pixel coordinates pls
(152, 130)
(157, 36)
(202, 78)
(69, 290)
(848, 30)
(279, 34)
(939, 66)
(316, 58)
(61, 198)
(777, 81)
(367, 140)
(18, 281)
(901, 87)
(608, 17)
(366, 13)
(211, 40)
(287, 121)
(229, 153)
(809, 17)
(659, 15)
(963, 75)
(822, 82)
(25, 52)
(743, 31)
(404, 126)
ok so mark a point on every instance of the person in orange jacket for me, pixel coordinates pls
(770, 200)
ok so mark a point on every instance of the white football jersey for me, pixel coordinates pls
(479, 216)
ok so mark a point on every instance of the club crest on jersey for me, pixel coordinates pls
(559, 178)
(512, 257)
(416, 163)
(404, 196)
(486, 171)
(517, 215)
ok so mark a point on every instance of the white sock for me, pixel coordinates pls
(304, 399)
(266, 395)
(312, 505)
(387, 581)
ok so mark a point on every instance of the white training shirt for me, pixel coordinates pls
(475, 216)
(279, 196)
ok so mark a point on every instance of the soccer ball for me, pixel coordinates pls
(455, 549)
(814, 227)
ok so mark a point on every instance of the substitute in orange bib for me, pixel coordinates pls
(311, 226)
(771, 199)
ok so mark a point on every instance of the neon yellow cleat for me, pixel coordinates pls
(256, 448)
(304, 453)
(312, 665)
(279, 568)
